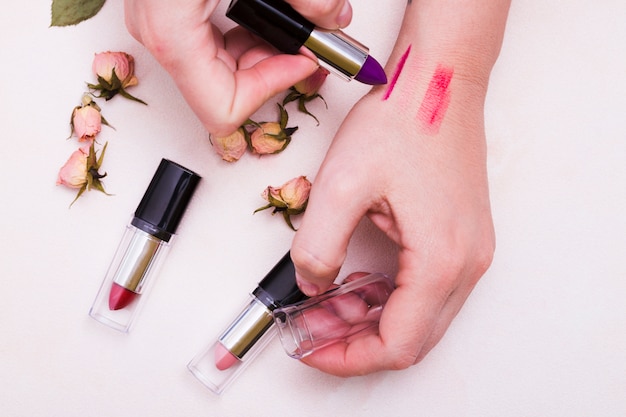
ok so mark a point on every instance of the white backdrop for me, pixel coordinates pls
(544, 333)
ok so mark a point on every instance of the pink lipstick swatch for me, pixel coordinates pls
(436, 100)
(397, 72)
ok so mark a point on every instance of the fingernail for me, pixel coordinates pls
(344, 17)
(307, 288)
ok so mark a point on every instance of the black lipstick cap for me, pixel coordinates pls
(165, 200)
(275, 21)
(279, 287)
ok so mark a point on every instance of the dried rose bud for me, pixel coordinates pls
(289, 199)
(295, 193)
(87, 120)
(74, 173)
(111, 65)
(272, 137)
(307, 90)
(267, 139)
(81, 170)
(311, 85)
(231, 147)
(86, 123)
(115, 72)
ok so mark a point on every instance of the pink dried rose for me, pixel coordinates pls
(87, 120)
(115, 64)
(74, 173)
(307, 90)
(231, 147)
(272, 137)
(289, 199)
(310, 86)
(81, 170)
(115, 72)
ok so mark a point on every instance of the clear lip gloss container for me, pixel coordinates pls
(334, 316)
(143, 246)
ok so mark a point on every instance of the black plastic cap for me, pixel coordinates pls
(275, 21)
(164, 202)
(279, 287)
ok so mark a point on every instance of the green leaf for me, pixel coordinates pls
(72, 12)
(80, 192)
(284, 117)
(124, 94)
(265, 207)
(302, 108)
(293, 96)
(287, 218)
(104, 149)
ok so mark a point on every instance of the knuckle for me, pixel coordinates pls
(484, 258)
(338, 183)
(471, 259)
(402, 360)
(450, 266)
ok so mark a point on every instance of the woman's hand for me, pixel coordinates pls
(223, 77)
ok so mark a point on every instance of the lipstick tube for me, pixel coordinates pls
(351, 309)
(144, 244)
(276, 22)
(253, 328)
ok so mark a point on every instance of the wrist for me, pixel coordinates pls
(463, 35)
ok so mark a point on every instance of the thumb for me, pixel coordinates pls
(328, 14)
(320, 245)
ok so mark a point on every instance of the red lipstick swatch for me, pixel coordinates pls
(396, 74)
(436, 100)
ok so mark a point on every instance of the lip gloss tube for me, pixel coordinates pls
(253, 328)
(351, 309)
(144, 244)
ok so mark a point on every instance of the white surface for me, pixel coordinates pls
(544, 333)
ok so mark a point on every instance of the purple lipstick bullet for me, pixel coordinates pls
(371, 73)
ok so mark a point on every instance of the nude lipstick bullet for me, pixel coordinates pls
(144, 244)
(252, 329)
(276, 22)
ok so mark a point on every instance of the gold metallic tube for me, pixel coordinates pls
(251, 324)
(137, 261)
(346, 54)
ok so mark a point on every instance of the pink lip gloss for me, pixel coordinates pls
(143, 245)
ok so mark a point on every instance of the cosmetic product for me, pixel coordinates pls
(281, 26)
(247, 335)
(143, 246)
(353, 308)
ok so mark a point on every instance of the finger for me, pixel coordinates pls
(407, 322)
(349, 307)
(322, 324)
(267, 78)
(329, 14)
(223, 100)
(239, 42)
(361, 304)
(336, 205)
(354, 276)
